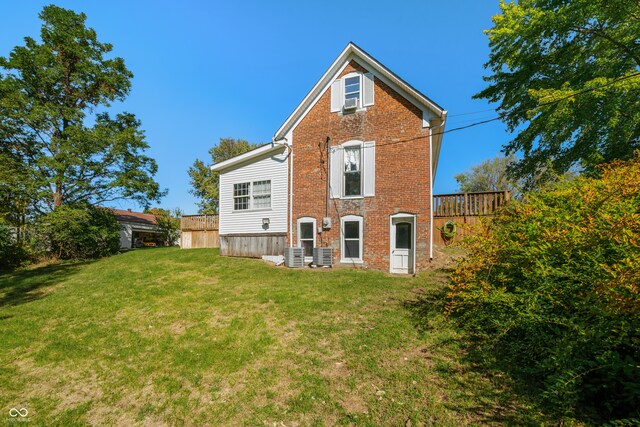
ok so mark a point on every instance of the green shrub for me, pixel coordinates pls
(11, 253)
(550, 292)
(81, 232)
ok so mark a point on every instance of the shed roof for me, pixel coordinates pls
(128, 215)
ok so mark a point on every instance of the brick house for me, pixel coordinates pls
(352, 168)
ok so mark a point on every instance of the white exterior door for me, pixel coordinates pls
(402, 245)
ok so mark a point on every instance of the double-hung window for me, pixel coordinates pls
(352, 88)
(252, 195)
(352, 171)
(241, 198)
(261, 194)
(351, 238)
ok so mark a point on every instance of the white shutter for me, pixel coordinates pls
(369, 149)
(336, 96)
(335, 172)
(367, 97)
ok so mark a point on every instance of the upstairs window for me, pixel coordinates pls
(352, 89)
(352, 92)
(352, 171)
(252, 195)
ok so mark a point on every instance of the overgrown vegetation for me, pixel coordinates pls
(75, 232)
(168, 224)
(11, 253)
(550, 291)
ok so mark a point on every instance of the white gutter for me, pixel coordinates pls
(444, 120)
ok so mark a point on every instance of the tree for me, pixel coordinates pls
(490, 175)
(168, 222)
(53, 95)
(204, 181)
(565, 74)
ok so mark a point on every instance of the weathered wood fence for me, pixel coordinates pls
(463, 208)
(199, 231)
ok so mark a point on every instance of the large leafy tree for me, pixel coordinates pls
(565, 75)
(204, 181)
(490, 175)
(54, 125)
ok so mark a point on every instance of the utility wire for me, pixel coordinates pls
(503, 115)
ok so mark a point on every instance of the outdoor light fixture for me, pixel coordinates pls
(265, 221)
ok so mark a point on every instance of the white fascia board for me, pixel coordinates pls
(260, 151)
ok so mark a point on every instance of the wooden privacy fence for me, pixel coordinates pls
(199, 231)
(463, 208)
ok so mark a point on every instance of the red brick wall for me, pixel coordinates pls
(401, 171)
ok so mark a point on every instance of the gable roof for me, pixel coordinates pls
(430, 109)
(137, 217)
(256, 152)
(357, 54)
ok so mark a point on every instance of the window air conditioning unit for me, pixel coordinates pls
(323, 256)
(294, 257)
(351, 104)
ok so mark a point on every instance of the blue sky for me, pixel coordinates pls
(206, 70)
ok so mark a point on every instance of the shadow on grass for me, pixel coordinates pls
(489, 396)
(23, 286)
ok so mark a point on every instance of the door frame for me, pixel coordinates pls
(406, 217)
(315, 230)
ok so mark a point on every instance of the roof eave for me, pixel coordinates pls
(234, 161)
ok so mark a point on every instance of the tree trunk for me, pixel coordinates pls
(57, 196)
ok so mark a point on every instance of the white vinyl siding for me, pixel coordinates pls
(268, 192)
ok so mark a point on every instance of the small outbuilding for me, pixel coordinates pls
(138, 229)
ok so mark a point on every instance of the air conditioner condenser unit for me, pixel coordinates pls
(323, 257)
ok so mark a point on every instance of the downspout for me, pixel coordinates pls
(290, 156)
(444, 120)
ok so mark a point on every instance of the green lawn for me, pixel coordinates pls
(165, 336)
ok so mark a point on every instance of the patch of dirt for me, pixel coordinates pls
(445, 257)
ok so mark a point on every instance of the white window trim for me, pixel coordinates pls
(313, 221)
(344, 88)
(233, 189)
(250, 195)
(361, 240)
(351, 144)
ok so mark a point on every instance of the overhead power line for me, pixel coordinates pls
(504, 115)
